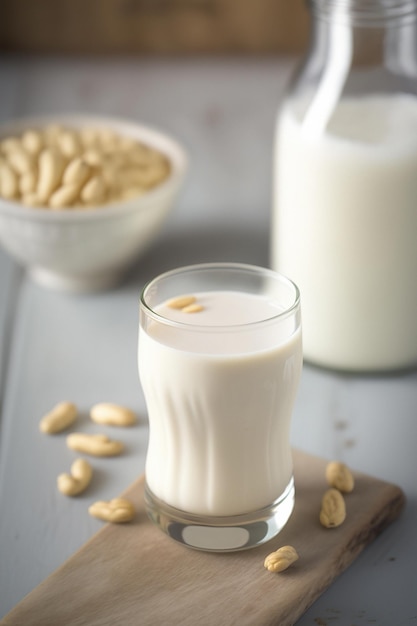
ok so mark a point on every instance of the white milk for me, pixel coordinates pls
(220, 405)
(345, 230)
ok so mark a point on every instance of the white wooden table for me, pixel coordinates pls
(83, 348)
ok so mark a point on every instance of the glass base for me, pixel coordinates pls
(222, 534)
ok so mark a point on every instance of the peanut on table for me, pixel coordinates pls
(77, 480)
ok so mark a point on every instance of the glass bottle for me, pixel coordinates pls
(344, 215)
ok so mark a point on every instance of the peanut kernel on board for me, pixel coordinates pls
(281, 559)
(333, 509)
(338, 475)
(116, 511)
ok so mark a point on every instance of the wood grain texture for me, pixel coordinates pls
(134, 574)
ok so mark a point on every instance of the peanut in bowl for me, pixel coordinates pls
(82, 197)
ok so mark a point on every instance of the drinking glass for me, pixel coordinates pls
(220, 359)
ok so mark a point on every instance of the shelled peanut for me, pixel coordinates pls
(333, 509)
(281, 559)
(66, 168)
(60, 417)
(116, 511)
(339, 476)
(77, 480)
(341, 481)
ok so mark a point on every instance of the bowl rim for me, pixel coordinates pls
(156, 138)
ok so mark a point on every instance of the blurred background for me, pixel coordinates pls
(153, 26)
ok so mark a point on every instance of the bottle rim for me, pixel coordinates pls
(364, 12)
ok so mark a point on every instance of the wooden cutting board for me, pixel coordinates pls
(133, 574)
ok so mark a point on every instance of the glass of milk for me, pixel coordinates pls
(220, 359)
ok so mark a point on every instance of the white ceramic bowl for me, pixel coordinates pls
(86, 250)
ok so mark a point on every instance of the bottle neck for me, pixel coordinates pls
(357, 48)
(365, 13)
(369, 32)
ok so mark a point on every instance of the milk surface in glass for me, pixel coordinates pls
(345, 230)
(219, 399)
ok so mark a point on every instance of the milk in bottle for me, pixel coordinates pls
(344, 215)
